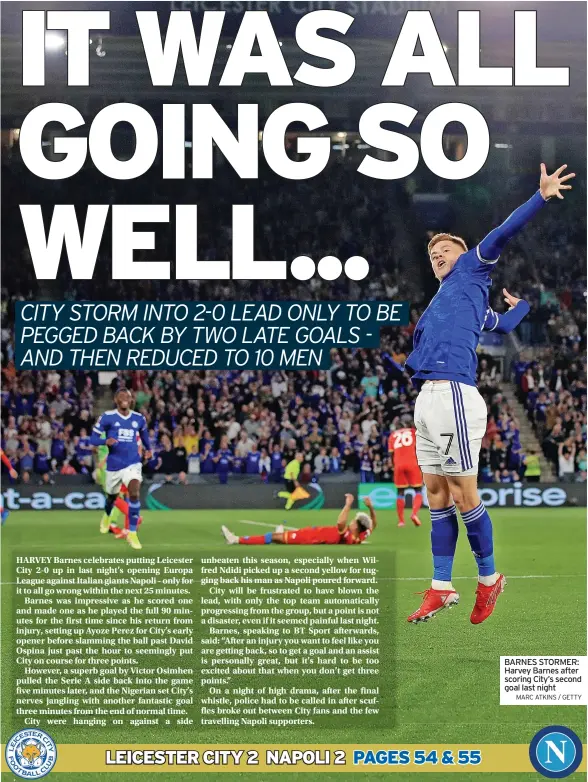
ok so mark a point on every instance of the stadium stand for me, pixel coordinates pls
(340, 418)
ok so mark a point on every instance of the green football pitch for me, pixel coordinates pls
(441, 678)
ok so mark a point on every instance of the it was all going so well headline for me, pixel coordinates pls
(162, 50)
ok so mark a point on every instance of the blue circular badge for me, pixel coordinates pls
(31, 753)
(556, 752)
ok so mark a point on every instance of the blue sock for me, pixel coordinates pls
(267, 538)
(4, 515)
(444, 532)
(479, 529)
(134, 512)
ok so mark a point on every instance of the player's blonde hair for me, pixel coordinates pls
(363, 520)
(447, 238)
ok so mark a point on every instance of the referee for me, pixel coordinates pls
(291, 479)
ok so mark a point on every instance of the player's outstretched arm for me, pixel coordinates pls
(550, 186)
(370, 506)
(507, 321)
(344, 515)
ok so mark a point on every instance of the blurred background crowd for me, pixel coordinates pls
(231, 423)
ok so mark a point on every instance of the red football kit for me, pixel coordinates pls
(325, 535)
(402, 443)
(6, 461)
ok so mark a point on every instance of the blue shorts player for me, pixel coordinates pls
(450, 415)
(124, 429)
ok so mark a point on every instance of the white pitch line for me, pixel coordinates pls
(264, 524)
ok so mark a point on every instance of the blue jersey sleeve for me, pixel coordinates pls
(491, 320)
(391, 363)
(144, 434)
(98, 432)
(507, 321)
(489, 249)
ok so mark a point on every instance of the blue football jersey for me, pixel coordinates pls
(225, 459)
(448, 331)
(126, 430)
(491, 320)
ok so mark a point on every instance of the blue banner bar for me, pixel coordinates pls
(197, 335)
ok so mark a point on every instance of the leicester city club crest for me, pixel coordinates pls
(31, 753)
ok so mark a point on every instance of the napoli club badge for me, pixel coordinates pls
(31, 753)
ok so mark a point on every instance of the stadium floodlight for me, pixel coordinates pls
(54, 41)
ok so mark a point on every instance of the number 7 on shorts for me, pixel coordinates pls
(450, 435)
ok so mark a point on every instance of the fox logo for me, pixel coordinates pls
(31, 752)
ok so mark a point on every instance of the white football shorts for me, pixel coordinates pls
(450, 420)
(116, 478)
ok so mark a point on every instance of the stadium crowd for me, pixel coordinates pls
(251, 422)
(552, 388)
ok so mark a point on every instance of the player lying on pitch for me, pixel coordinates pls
(450, 414)
(348, 532)
(14, 475)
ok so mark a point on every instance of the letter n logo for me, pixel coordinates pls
(550, 747)
(555, 752)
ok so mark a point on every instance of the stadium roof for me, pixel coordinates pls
(120, 73)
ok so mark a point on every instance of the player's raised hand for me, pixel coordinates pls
(511, 300)
(368, 502)
(349, 499)
(551, 185)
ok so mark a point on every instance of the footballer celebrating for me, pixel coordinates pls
(450, 414)
(346, 532)
(124, 429)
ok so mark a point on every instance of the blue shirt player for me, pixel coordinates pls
(124, 430)
(450, 414)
